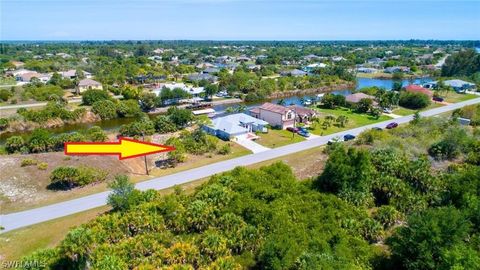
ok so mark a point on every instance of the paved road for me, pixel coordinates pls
(37, 215)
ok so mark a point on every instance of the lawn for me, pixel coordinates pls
(405, 111)
(276, 138)
(456, 97)
(354, 120)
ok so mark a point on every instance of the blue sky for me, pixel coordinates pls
(234, 20)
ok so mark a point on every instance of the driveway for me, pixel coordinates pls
(251, 145)
(28, 217)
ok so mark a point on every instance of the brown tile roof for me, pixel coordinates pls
(418, 89)
(302, 110)
(274, 108)
(355, 98)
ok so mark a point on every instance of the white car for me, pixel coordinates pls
(335, 140)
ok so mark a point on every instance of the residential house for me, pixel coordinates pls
(72, 74)
(28, 76)
(312, 67)
(235, 126)
(196, 77)
(276, 115)
(412, 88)
(210, 70)
(460, 85)
(355, 98)
(367, 70)
(303, 115)
(396, 69)
(87, 84)
(294, 73)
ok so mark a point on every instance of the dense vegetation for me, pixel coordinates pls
(41, 140)
(385, 191)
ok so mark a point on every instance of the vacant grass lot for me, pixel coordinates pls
(455, 97)
(354, 120)
(276, 138)
(404, 111)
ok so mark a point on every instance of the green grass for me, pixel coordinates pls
(354, 120)
(276, 138)
(405, 111)
(456, 97)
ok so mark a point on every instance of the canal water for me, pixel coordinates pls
(114, 124)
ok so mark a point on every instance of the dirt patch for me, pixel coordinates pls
(27, 186)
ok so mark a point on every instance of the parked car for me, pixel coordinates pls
(377, 128)
(387, 110)
(304, 133)
(292, 129)
(302, 129)
(348, 137)
(334, 140)
(439, 99)
(392, 125)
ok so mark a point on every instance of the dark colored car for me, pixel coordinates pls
(439, 99)
(303, 129)
(348, 137)
(303, 133)
(377, 128)
(392, 125)
(292, 129)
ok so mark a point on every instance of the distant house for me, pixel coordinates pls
(311, 57)
(72, 74)
(312, 67)
(87, 84)
(28, 76)
(412, 88)
(294, 73)
(375, 61)
(367, 70)
(396, 69)
(196, 77)
(459, 85)
(276, 115)
(235, 126)
(355, 98)
(195, 92)
(210, 70)
(243, 59)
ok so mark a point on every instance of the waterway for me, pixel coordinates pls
(115, 124)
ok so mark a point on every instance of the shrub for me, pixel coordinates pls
(138, 128)
(163, 124)
(93, 95)
(28, 162)
(43, 92)
(3, 123)
(42, 166)
(14, 144)
(70, 177)
(414, 101)
(128, 108)
(5, 94)
(106, 109)
(225, 149)
(123, 194)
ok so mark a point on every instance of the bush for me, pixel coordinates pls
(123, 194)
(43, 92)
(138, 128)
(28, 162)
(128, 108)
(414, 101)
(70, 177)
(5, 94)
(3, 123)
(42, 166)
(14, 144)
(225, 149)
(163, 124)
(93, 95)
(106, 109)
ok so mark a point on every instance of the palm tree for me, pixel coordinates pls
(281, 102)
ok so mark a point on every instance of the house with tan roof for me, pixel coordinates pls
(87, 84)
(355, 98)
(276, 115)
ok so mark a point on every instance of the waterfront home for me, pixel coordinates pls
(276, 115)
(293, 73)
(460, 85)
(235, 126)
(196, 77)
(302, 114)
(194, 92)
(367, 70)
(312, 67)
(87, 84)
(210, 70)
(413, 88)
(355, 98)
(396, 69)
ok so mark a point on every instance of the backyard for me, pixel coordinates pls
(354, 120)
(276, 138)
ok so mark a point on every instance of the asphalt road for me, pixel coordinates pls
(28, 217)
